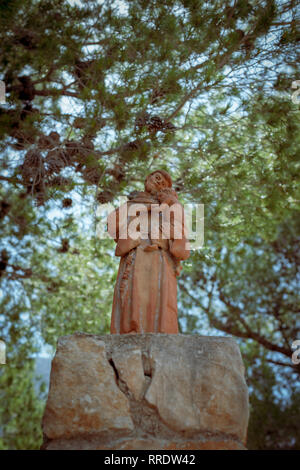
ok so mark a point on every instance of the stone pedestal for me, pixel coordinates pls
(146, 391)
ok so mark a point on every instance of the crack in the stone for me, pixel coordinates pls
(145, 416)
(111, 362)
(120, 383)
(146, 364)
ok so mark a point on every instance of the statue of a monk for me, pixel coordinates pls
(145, 296)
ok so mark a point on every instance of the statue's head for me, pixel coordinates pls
(157, 180)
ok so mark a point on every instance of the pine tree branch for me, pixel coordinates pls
(285, 364)
(238, 313)
(233, 330)
(56, 93)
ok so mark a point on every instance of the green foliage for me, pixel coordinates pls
(99, 95)
(274, 425)
(21, 406)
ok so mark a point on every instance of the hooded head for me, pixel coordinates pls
(157, 180)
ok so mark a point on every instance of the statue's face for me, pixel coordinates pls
(156, 182)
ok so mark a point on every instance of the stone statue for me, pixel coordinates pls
(151, 240)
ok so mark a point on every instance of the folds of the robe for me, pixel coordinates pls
(145, 297)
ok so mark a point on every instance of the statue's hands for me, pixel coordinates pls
(167, 196)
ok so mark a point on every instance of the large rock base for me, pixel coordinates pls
(146, 391)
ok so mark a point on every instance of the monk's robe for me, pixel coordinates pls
(145, 295)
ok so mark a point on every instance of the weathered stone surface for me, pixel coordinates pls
(148, 444)
(144, 444)
(83, 396)
(146, 391)
(200, 390)
(130, 370)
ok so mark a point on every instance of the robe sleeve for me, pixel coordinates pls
(179, 243)
(117, 227)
